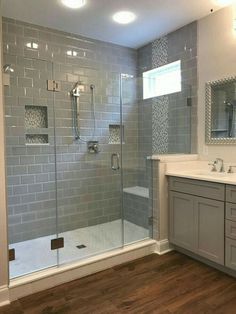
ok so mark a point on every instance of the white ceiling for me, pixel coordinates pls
(154, 17)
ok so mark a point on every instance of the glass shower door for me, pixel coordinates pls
(88, 166)
(137, 168)
(30, 159)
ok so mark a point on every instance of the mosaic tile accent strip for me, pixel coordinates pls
(160, 125)
(36, 117)
(114, 134)
(36, 139)
(159, 52)
(160, 104)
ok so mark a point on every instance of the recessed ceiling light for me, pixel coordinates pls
(32, 45)
(71, 53)
(225, 2)
(124, 17)
(74, 4)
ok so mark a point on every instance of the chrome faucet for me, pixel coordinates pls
(213, 164)
(222, 169)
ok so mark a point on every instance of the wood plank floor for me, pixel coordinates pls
(171, 283)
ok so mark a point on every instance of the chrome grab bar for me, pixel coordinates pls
(116, 157)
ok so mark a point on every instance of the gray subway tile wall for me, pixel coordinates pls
(80, 187)
(182, 133)
(179, 130)
(88, 192)
(181, 120)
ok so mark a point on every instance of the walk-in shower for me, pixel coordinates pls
(64, 203)
(79, 172)
(230, 109)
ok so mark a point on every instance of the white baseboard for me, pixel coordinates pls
(163, 247)
(47, 279)
(4, 296)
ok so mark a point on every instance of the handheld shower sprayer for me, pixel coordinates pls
(75, 92)
(230, 108)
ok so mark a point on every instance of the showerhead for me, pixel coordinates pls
(7, 68)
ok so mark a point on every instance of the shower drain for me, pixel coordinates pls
(81, 246)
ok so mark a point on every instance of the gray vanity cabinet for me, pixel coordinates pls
(230, 227)
(197, 223)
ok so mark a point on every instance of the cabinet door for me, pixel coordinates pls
(231, 211)
(210, 229)
(181, 220)
(230, 229)
(230, 253)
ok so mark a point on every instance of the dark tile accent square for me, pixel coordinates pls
(81, 246)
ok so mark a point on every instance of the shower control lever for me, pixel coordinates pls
(115, 161)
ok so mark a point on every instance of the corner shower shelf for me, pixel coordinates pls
(138, 191)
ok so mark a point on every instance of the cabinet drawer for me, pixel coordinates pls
(231, 193)
(230, 229)
(231, 211)
(206, 189)
(230, 253)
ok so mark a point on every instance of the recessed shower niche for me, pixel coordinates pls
(36, 121)
(36, 117)
(115, 134)
(31, 139)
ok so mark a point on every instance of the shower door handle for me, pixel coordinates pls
(115, 161)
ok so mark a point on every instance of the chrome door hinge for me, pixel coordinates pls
(57, 243)
(150, 221)
(53, 86)
(11, 255)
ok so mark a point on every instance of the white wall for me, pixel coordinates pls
(216, 60)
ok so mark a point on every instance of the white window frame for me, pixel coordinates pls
(163, 80)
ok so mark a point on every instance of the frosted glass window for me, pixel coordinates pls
(162, 81)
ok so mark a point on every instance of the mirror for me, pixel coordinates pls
(221, 111)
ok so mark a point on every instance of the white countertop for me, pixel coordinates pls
(173, 157)
(204, 175)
